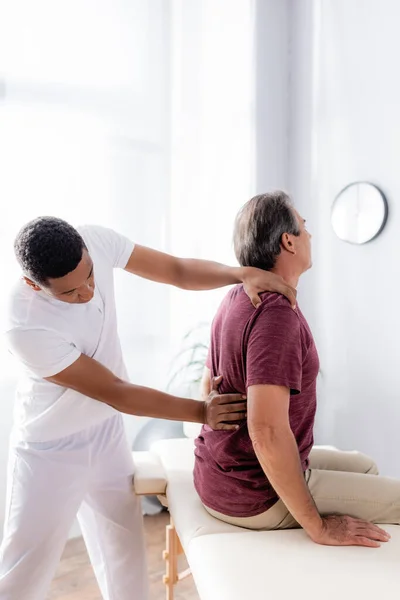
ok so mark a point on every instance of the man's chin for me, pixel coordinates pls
(85, 301)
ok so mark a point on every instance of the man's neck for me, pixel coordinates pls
(287, 274)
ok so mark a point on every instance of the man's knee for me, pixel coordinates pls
(366, 465)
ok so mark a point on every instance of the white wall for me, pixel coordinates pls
(345, 126)
(272, 81)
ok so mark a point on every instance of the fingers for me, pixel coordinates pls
(385, 533)
(364, 541)
(215, 382)
(348, 531)
(234, 408)
(255, 300)
(226, 427)
(235, 417)
(284, 289)
(368, 534)
(369, 525)
(373, 533)
(290, 294)
(230, 399)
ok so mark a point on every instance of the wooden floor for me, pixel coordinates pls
(75, 580)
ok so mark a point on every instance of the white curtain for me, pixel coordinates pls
(85, 135)
(213, 138)
(134, 114)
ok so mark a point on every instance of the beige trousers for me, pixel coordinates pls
(340, 483)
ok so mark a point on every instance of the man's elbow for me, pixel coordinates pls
(113, 394)
(266, 438)
(180, 274)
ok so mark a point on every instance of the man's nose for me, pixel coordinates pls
(86, 292)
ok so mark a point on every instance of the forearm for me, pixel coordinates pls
(185, 273)
(206, 275)
(92, 379)
(146, 402)
(278, 455)
(194, 274)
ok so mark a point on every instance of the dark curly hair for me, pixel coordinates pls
(48, 248)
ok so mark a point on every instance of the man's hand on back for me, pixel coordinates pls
(224, 411)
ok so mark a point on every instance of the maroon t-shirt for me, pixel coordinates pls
(268, 345)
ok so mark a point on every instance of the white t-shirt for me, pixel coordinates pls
(47, 336)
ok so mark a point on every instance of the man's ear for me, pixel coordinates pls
(288, 243)
(32, 284)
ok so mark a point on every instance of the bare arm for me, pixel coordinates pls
(193, 274)
(92, 379)
(277, 452)
(185, 273)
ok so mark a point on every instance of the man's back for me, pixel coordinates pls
(270, 345)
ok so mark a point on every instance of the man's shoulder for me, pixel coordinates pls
(19, 302)
(106, 245)
(233, 299)
(237, 303)
(96, 239)
(271, 300)
(92, 234)
(275, 313)
(26, 308)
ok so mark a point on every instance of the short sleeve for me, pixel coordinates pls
(274, 349)
(43, 352)
(116, 247)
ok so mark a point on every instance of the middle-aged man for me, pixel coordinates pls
(68, 453)
(266, 474)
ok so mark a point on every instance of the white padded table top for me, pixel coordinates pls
(231, 563)
(149, 474)
(287, 565)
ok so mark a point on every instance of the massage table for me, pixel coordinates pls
(232, 563)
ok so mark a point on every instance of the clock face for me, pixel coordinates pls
(359, 213)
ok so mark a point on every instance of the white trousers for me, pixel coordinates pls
(88, 474)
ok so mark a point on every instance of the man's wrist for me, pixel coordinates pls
(314, 527)
(203, 412)
(238, 274)
(199, 412)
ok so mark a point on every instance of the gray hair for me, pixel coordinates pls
(259, 227)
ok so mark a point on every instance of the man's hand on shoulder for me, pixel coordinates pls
(256, 281)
